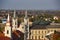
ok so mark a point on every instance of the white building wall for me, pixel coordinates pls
(8, 34)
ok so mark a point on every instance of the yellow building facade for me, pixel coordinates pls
(39, 32)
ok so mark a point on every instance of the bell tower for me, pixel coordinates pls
(14, 21)
(26, 28)
(8, 29)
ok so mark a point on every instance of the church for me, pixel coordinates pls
(13, 32)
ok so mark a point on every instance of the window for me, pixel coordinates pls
(22, 27)
(55, 31)
(42, 36)
(39, 32)
(42, 31)
(35, 32)
(32, 37)
(39, 37)
(48, 31)
(45, 32)
(35, 37)
(7, 32)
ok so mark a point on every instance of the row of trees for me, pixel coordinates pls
(37, 17)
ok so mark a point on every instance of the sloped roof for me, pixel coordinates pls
(53, 26)
(38, 27)
(2, 37)
(44, 26)
(16, 35)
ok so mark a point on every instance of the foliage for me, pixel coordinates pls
(1, 29)
(57, 21)
(0, 21)
(38, 17)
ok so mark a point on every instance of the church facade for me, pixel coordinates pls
(10, 29)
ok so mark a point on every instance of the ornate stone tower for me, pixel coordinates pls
(14, 22)
(8, 28)
(26, 28)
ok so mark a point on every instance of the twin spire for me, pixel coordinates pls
(8, 19)
(26, 14)
(14, 14)
(8, 30)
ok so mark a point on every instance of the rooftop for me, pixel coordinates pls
(16, 35)
(44, 26)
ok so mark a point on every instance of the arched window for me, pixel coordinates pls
(7, 32)
(42, 31)
(22, 27)
(45, 32)
(39, 32)
(42, 36)
(35, 37)
(39, 37)
(35, 32)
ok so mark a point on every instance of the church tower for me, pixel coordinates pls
(8, 28)
(14, 21)
(26, 28)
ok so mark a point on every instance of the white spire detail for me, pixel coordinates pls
(26, 26)
(8, 21)
(14, 21)
(26, 14)
(8, 28)
(8, 18)
(14, 13)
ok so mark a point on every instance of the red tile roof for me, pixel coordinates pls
(2, 37)
(16, 35)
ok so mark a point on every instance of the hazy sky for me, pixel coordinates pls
(30, 4)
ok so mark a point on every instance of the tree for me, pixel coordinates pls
(0, 21)
(1, 29)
